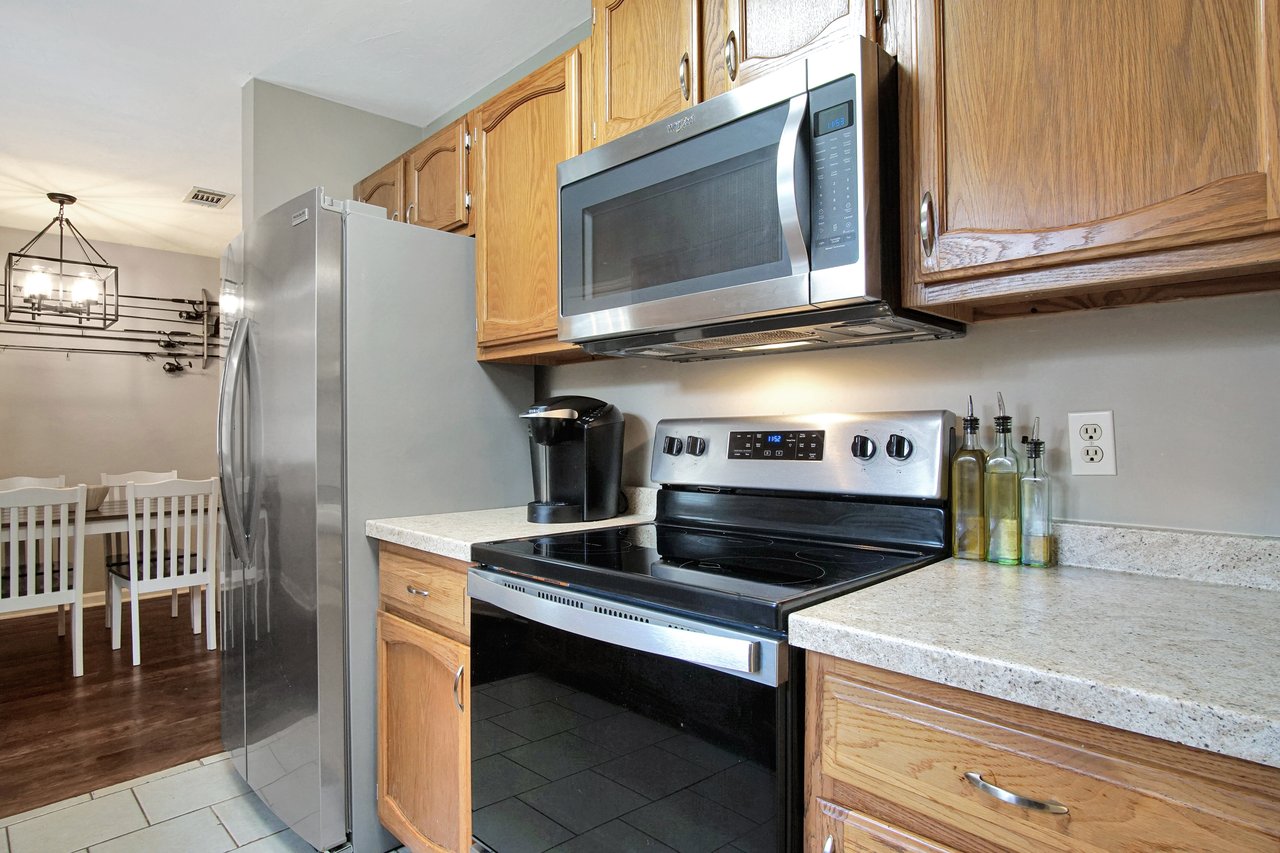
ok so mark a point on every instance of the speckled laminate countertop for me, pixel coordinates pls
(451, 534)
(1183, 660)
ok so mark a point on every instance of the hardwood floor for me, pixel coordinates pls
(62, 736)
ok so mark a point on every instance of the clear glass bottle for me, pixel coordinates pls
(968, 466)
(1037, 533)
(1000, 491)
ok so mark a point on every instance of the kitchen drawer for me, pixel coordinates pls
(426, 589)
(895, 756)
(843, 831)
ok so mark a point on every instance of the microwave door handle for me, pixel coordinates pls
(791, 174)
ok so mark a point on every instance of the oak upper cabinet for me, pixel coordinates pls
(436, 190)
(520, 136)
(764, 35)
(385, 188)
(900, 764)
(646, 63)
(424, 724)
(1074, 151)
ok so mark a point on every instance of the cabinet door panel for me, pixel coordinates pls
(639, 47)
(385, 188)
(1084, 129)
(521, 135)
(851, 832)
(436, 180)
(767, 34)
(424, 768)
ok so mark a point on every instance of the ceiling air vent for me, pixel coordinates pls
(208, 198)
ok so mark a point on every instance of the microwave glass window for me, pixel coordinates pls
(715, 220)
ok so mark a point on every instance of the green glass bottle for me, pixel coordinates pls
(968, 466)
(1037, 538)
(1000, 491)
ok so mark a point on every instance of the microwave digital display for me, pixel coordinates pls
(833, 118)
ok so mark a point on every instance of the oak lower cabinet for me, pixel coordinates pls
(437, 189)
(520, 137)
(1090, 153)
(385, 188)
(897, 763)
(646, 62)
(424, 724)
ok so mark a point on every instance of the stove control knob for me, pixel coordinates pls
(672, 446)
(863, 447)
(899, 447)
(696, 445)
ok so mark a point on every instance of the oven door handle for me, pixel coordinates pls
(586, 616)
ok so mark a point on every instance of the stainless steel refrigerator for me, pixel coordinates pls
(350, 391)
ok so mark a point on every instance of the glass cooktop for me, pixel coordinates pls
(747, 578)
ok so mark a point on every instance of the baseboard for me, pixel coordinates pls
(91, 599)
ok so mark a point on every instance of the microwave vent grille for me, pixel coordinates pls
(751, 339)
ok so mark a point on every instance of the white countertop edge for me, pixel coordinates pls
(1229, 732)
(451, 534)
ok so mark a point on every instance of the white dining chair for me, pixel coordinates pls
(115, 551)
(172, 543)
(10, 483)
(41, 564)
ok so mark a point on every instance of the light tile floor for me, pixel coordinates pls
(199, 807)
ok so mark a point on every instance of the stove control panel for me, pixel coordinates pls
(883, 454)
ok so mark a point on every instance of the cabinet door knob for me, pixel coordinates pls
(976, 780)
(682, 73)
(829, 846)
(457, 680)
(731, 56)
(926, 224)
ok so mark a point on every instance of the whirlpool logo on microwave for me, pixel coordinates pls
(674, 127)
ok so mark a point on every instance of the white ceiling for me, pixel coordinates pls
(129, 103)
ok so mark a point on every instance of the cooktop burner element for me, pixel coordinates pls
(749, 537)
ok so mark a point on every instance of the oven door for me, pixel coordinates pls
(624, 726)
(659, 234)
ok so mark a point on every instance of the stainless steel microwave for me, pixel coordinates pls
(764, 218)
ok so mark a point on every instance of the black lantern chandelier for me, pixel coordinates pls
(44, 290)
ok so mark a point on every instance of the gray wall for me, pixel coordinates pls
(1195, 387)
(292, 141)
(85, 414)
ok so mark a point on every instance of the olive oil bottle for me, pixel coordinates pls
(968, 466)
(1037, 539)
(1000, 492)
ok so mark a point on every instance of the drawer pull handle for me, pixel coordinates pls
(413, 590)
(976, 780)
(457, 680)
(830, 845)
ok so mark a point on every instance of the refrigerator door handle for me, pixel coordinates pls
(227, 476)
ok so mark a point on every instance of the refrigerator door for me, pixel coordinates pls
(233, 461)
(291, 595)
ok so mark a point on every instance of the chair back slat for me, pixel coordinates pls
(171, 553)
(45, 548)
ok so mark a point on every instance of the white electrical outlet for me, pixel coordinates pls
(1091, 439)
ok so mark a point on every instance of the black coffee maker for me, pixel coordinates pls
(575, 445)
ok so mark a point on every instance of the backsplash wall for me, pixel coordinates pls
(1195, 387)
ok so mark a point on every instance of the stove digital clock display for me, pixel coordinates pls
(794, 445)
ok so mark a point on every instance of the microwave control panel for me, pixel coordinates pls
(833, 123)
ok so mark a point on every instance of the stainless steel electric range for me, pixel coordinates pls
(633, 687)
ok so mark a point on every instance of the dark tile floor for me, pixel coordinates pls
(553, 769)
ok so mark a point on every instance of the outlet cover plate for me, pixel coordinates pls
(1089, 433)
